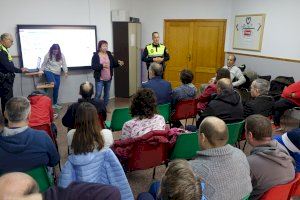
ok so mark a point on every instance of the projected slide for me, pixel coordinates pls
(77, 43)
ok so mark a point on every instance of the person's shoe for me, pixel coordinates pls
(56, 106)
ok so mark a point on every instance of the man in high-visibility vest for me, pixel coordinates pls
(7, 69)
(155, 52)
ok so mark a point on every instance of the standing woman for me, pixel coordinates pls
(103, 63)
(53, 62)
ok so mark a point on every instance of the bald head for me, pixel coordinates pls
(156, 69)
(86, 90)
(224, 84)
(17, 184)
(215, 130)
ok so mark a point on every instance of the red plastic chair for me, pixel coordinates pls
(185, 109)
(281, 192)
(101, 121)
(296, 187)
(147, 155)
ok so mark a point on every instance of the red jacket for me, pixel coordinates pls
(122, 148)
(41, 110)
(205, 96)
(293, 88)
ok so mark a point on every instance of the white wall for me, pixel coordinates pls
(64, 12)
(281, 36)
(152, 13)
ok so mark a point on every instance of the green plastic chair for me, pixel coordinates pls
(165, 111)
(40, 175)
(186, 146)
(235, 131)
(118, 119)
(246, 197)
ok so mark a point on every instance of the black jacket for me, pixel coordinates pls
(97, 67)
(226, 106)
(262, 104)
(68, 119)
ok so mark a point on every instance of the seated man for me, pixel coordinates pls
(226, 105)
(223, 168)
(86, 90)
(41, 109)
(205, 97)
(291, 141)
(290, 98)
(161, 88)
(20, 186)
(236, 74)
(21, 147)
(261, 102)
(270, 162)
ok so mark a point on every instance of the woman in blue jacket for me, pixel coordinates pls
(103, 63)
(91, 161)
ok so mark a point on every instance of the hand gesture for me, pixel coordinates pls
(24, 70)
(121, 63)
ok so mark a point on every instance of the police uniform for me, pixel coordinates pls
(153, 51)
(7, 76)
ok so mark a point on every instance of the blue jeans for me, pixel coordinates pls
(51, 77)
(99, 85)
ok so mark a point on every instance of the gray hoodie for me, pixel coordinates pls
(270, 165)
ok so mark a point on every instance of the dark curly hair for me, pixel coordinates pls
(143, 104)
(186, 76)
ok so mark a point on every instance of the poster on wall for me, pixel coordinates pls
(248, 32)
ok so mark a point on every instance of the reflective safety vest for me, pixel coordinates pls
(3, 48)
(155, 51)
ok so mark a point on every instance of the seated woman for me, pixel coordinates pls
(187, 90)
(143, 109)
(179, 182)
(91, 161)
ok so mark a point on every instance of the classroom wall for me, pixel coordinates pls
(65, 12)
(280, 34)
(280, 37)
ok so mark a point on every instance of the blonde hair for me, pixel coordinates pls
(179, 182)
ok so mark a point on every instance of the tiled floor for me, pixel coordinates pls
(138, 180)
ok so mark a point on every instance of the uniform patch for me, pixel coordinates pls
(152, 50)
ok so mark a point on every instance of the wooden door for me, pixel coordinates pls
(197, 45)
(178, 42)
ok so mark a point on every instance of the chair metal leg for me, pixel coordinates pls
(185, 123)
(153, 176)
(244, 145)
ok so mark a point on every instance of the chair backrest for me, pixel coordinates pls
(235, 131)
(165, 111)
(185, 109)
(282, 191)
(42, 178)
(186, 146)
(146, 155)
(119, 117)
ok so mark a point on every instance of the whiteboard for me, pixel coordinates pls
(77, 43)
(248, 32)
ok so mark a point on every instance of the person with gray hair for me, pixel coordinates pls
(21, 147)
(223, 168)
(261, 102)
(226, 105)
(160, 87)
(7, 69)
